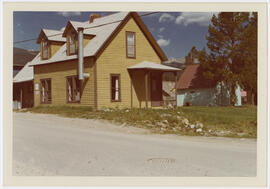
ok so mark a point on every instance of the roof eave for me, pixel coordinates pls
(149, 36)
(23, 80)
(57, 61)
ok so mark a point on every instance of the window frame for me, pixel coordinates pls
(42, 49)
(46, 101)
(119, 90)
(75, 43)
(67, 94)
(134, 34)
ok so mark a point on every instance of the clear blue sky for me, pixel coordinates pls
(176, 32)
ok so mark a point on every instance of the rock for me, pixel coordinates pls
(222, 133)
(148, 122)
(192, 126)
(107, 110)
(241, 134)
(161, 124)
(164, 126)
(199, 125)
(165, 115)
(179, 117)
(209, 130)
(170, 106)
(127, 111)
(185, 121)
(174, 129)
(165, 121)
(199, 130)
(162, 129)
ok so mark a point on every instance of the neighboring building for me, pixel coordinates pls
(169, 78)
(193, 89)
(23, 88)
(111, 61)
(175, 62)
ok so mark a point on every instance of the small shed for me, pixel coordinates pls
(193, 89)
(23, 87)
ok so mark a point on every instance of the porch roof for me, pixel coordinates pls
(147, 65)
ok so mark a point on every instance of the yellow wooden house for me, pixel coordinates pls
(111, 61)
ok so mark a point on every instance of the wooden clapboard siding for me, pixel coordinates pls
(113, 60)
(58, 73)
(54, 47)
(86, 39)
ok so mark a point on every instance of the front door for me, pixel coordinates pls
(156, 88)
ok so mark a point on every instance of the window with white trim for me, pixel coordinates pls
(115, 88)
(130, 44)
(45, 92)
(45, 49)
(72, 43)
(73, 89)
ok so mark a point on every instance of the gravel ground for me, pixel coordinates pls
(52, 145)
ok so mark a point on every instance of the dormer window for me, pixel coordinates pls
(45, 49)
(72, 43)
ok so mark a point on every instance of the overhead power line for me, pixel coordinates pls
(27, 40)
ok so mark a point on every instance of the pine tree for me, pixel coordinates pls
(248, 51)
(223, 40)
(193, 53)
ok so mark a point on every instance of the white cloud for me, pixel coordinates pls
(166, 17)
(161, 29)
(200, 18)
(163, 42)
(67, 14)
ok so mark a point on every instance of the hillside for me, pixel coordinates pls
(22, 56)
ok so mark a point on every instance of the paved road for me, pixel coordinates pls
(52, 145)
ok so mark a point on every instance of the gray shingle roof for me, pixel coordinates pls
(54, 35)
(101, 33)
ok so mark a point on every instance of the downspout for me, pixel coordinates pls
(81, 75)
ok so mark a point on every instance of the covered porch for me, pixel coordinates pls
(146, 79)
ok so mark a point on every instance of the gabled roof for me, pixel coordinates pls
(51, 35)
(103, 33)
(147, 65)
(27, 72)
(192, 78)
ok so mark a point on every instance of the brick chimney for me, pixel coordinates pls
(93, 17)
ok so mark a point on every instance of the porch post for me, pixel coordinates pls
(146, 89)
(175, 76)
(131, 91)
(21, 95)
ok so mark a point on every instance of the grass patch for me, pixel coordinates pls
(206, 121)
(241, 119)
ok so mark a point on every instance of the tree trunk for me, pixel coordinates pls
(249, 97)
(253, 99)
(232, 95)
